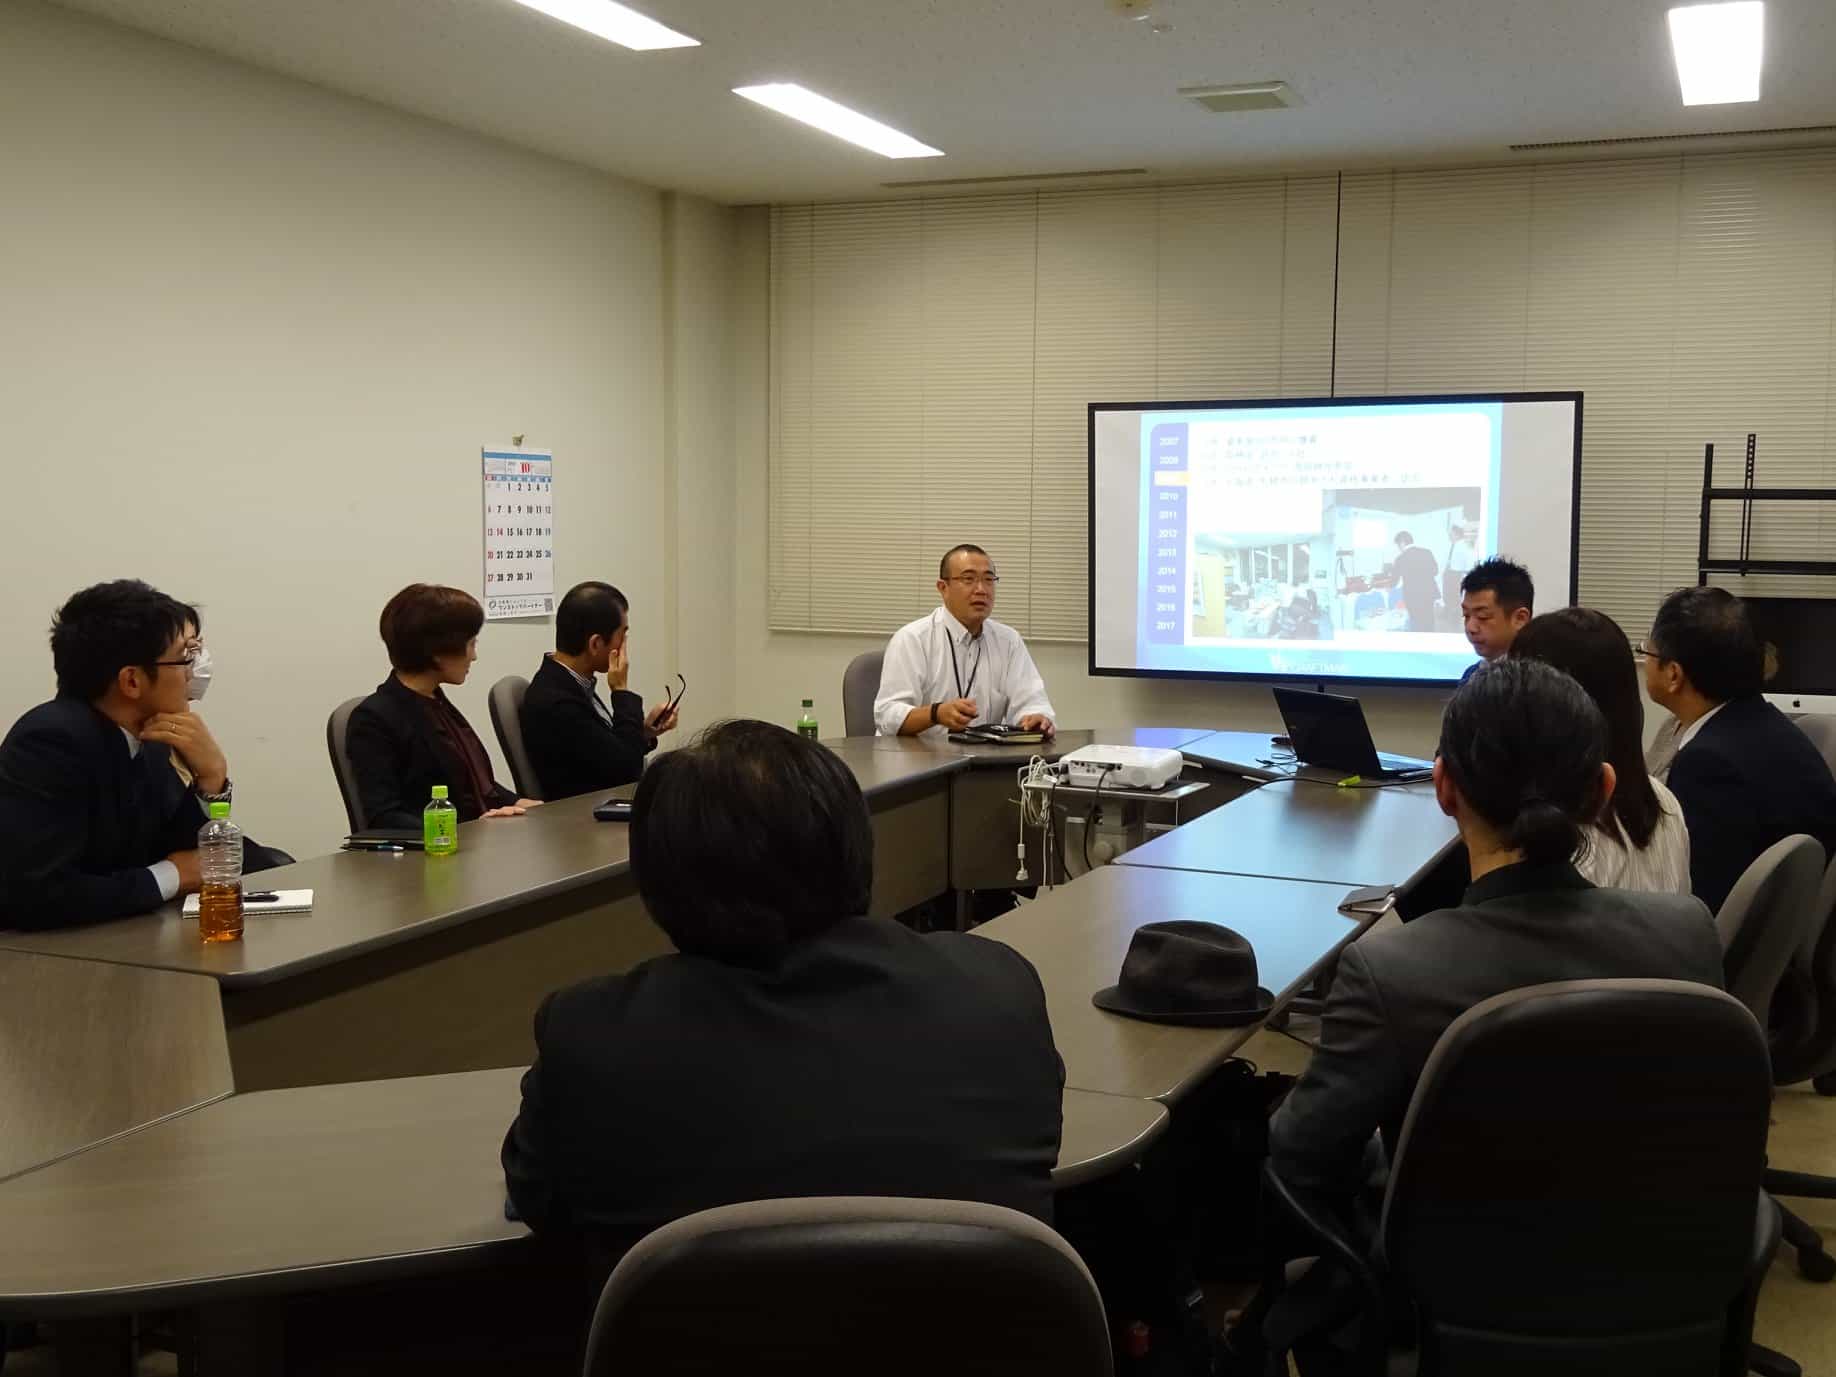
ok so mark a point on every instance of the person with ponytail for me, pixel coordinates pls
(1639, 840)
(1523, 771)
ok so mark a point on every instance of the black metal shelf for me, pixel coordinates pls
(1747, 495)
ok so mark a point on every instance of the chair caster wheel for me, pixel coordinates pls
(1818, 1266)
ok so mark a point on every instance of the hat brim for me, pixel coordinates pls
(1112, 1000)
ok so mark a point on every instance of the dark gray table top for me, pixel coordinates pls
(1311, 830)
(286, 1190)
(366, 900)
(1077, 935)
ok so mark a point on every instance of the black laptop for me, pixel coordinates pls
(1330, 732)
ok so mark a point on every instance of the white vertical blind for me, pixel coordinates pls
(932, 360)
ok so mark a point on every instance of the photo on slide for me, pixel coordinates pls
(1385, 559)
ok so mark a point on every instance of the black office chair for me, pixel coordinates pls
(337, 731)
(506, 702)
(1803, 1035)
(1769, 916)
(841, 1287)
(860, 686)
(1576, 1189)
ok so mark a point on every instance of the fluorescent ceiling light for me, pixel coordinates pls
(787, 98)
(1719, 48)
(615, 22)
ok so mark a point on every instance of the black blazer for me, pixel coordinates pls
(1398, 990)
(398, 758)
(573, 749)
(1749, 778)
(870, 1060)
(81, 818)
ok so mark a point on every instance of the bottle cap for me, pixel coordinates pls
(219, 810)
(439, 791)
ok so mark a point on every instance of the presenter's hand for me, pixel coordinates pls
(515, 810)
(957, 713)
(190, 871)
(660, 719)
(1038, 722)
(187, 735)
(619, 670)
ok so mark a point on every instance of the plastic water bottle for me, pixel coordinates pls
(220, 865)
(806, 724)
(440, 825)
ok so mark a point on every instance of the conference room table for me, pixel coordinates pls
(1077, 936)
(284, 1191)
(414, 965)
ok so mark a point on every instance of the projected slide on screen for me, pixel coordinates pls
(1319, 540)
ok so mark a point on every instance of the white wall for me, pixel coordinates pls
(254, 336)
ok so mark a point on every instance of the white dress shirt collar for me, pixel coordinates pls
(133, 743)
(956, 631)
(1688, 734)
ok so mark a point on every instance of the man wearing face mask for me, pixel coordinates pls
(95, 822)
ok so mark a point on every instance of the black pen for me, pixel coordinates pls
(373, 846)
(261, 896)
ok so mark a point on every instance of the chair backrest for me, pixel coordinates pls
(860, 686)
(1803, 1014)
(1576, 1184)
(506, 701)
(1764, 920)
(337, 731)
(810, 1288)
(90, 1049)
(1820, 727)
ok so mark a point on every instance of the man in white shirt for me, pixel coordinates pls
(957, 666)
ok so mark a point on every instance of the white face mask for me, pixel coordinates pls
(200, 675)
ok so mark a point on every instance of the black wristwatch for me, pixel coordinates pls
(934, 708)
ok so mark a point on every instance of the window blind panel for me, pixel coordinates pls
(866, 428)
(1361, 327)
(1459, 280)
(1602, 319)
(1218, 294)
(1311, 232)
(1754, 347)
(975, 467)
(1096, 336)
(792, 381)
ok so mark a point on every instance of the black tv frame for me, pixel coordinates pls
(1265, 403)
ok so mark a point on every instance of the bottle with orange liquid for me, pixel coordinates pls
(220, 864)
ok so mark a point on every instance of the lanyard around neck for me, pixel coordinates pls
(962, 689)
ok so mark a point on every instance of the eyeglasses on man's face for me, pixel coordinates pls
(971, 581)
(188, 659)
(1644, 650)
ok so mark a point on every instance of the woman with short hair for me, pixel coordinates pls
(407, 736)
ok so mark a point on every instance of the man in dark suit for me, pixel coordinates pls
(94, 821)
(1522, 771)
(1745, 776)
(792, 1046)
(575, 742)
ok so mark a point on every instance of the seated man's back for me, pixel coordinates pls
(870, 1060)
(1748, 778)
(791, 1046)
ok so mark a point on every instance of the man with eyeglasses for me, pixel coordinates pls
(958, 666)
(1746, 777)
(94, 821)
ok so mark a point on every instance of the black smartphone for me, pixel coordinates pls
(613, 810)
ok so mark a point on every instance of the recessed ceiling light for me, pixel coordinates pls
(613, 21)
(1719, 49)
(788, 98)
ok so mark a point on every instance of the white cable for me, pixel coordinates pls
(1035, 811)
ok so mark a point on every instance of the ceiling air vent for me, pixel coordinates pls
(1252, 95)
(1635, 139)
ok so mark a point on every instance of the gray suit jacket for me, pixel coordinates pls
(1398, 990)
